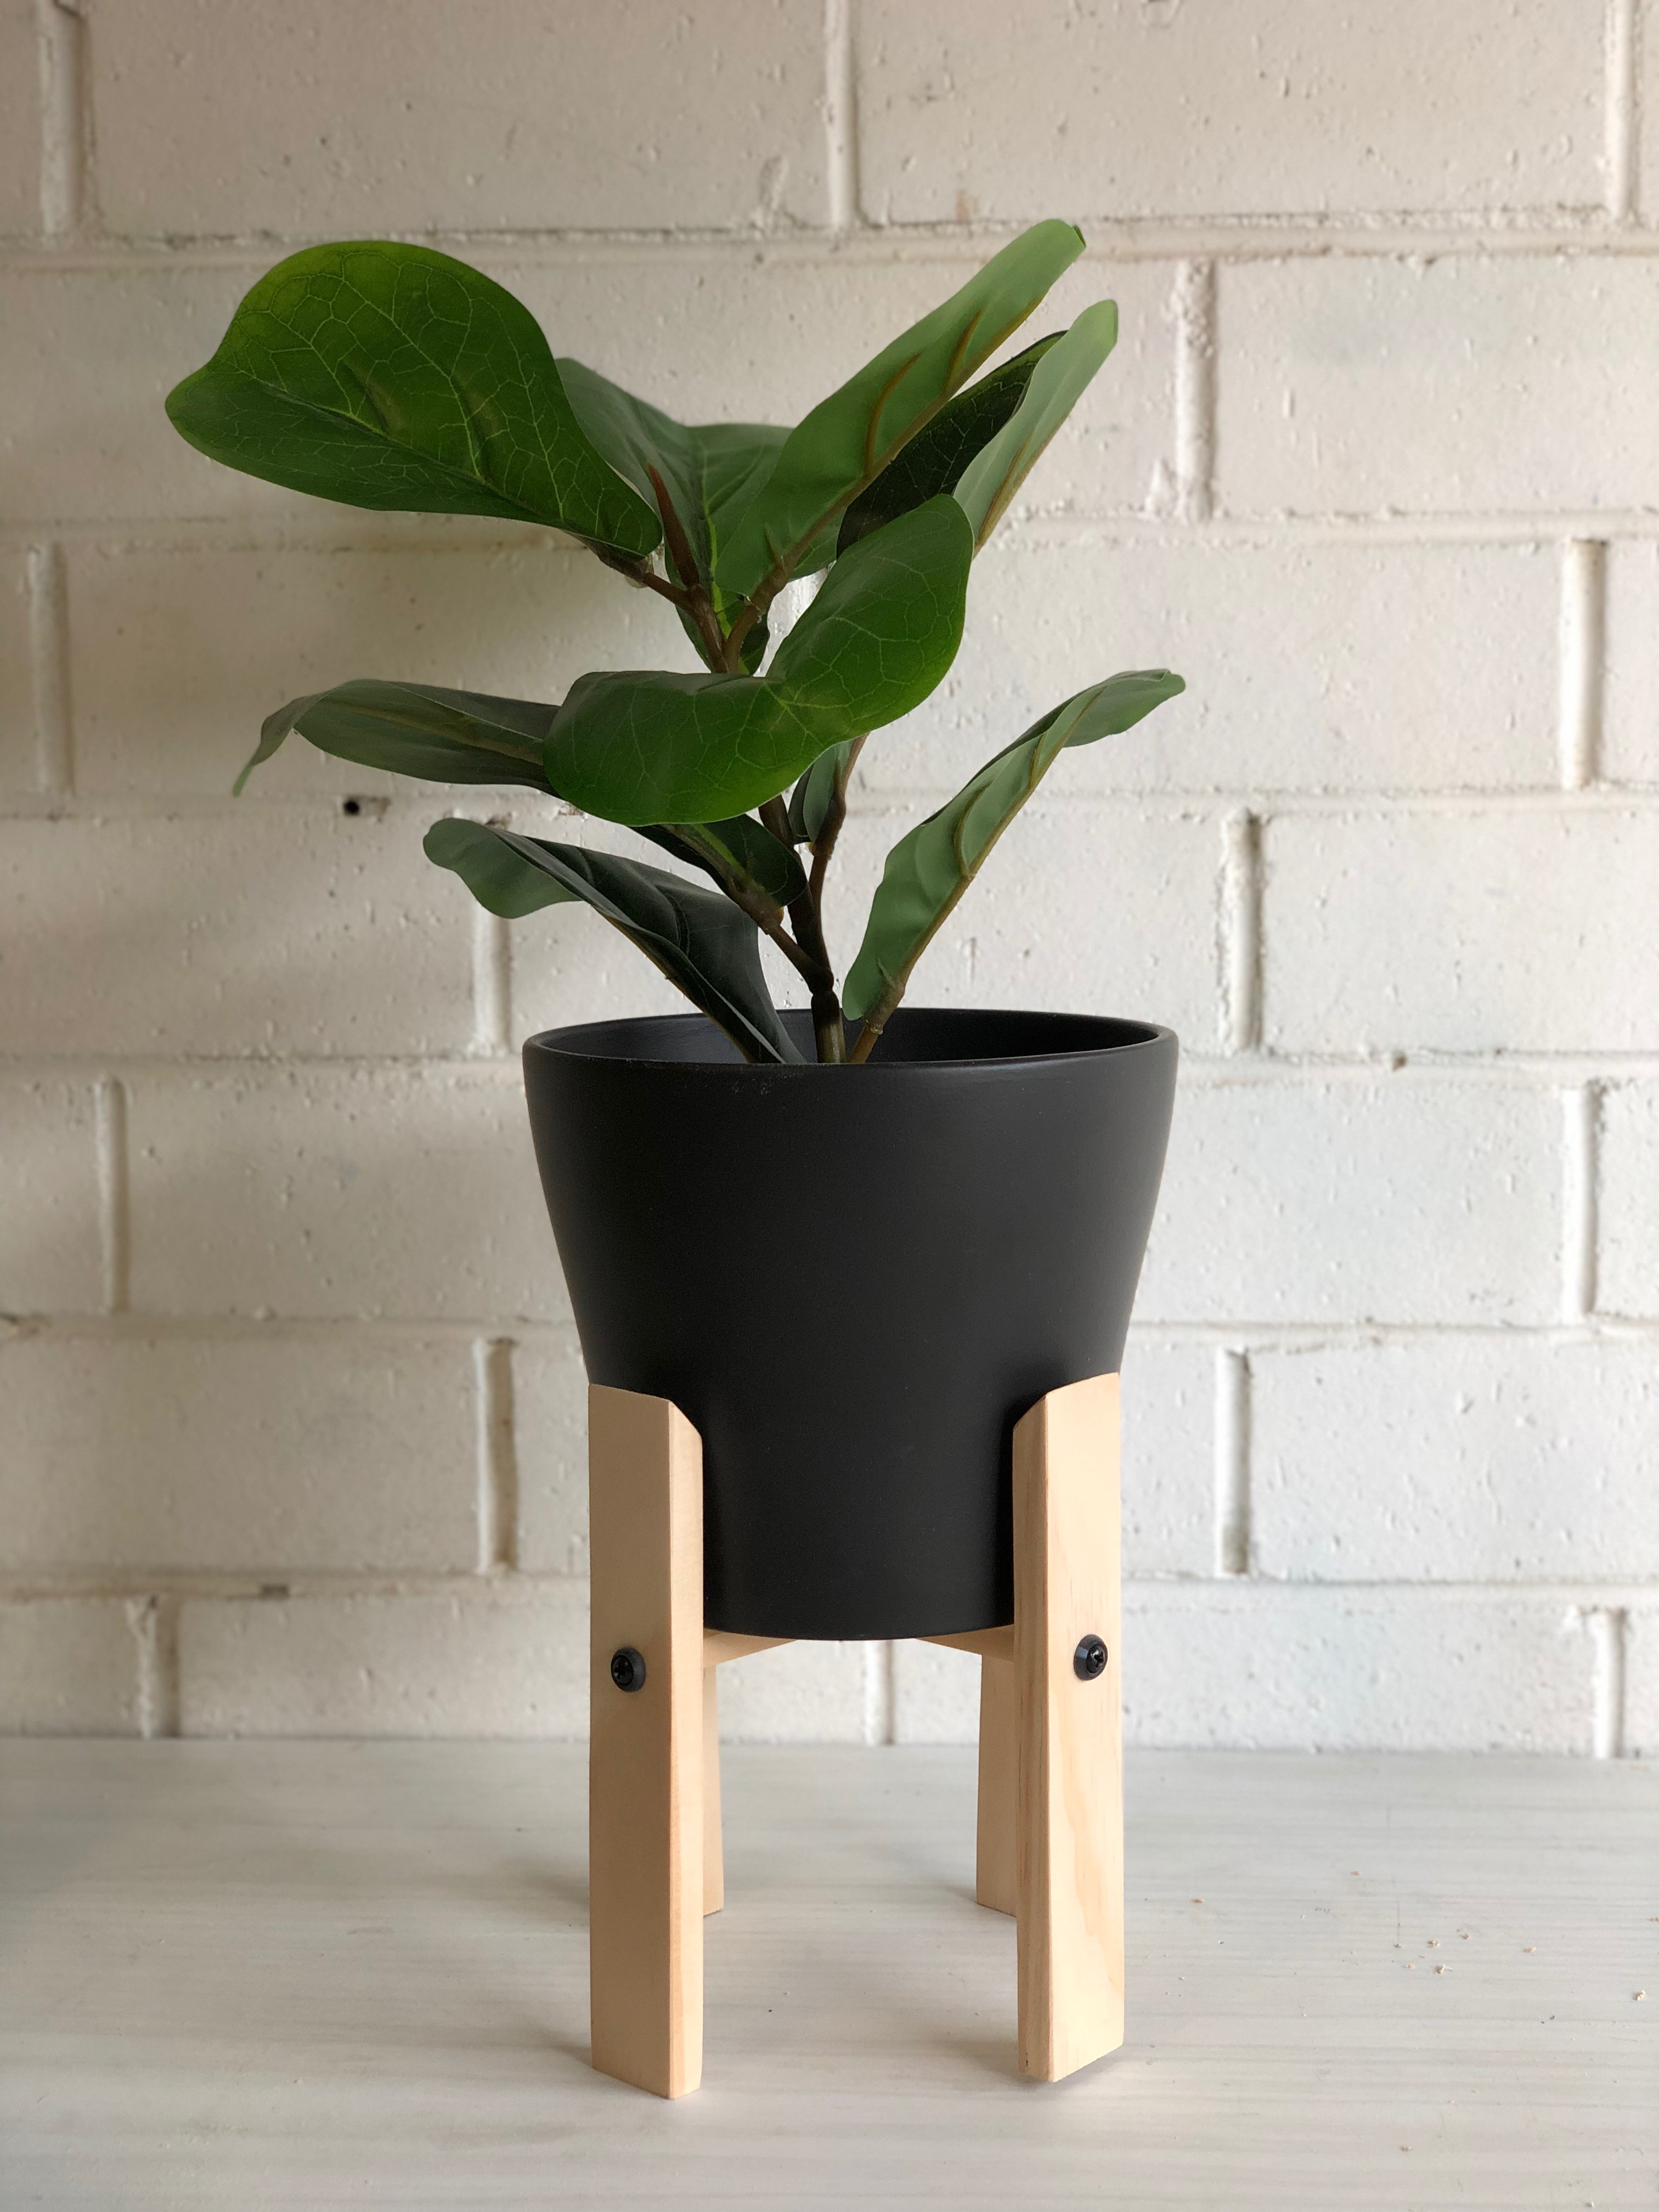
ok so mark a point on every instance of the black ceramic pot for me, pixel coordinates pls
(853, 1281)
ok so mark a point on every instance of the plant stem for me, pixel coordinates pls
(875, 1022)
(835, 815)
(829, 1030)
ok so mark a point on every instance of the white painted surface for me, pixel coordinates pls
(310, 1975)
(1374, 464)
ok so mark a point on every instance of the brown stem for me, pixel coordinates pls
(829, 1030)
(694, 597)
(875, 1022)
(835, 815)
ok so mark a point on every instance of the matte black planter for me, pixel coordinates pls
(853, 1281)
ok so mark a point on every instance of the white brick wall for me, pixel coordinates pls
(290, 1404)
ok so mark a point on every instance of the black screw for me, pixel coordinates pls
(1089, 1660)
(627, 1668)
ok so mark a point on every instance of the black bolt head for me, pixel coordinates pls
(627, 1668)
(1089, 1660)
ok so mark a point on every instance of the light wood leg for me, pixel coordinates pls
(645, 1761)
(713, 1854)
(1070, 1866)
(994, 1880)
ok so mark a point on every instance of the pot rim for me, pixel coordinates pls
(570, 1042)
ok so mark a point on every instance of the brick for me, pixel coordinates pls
(1519, 925)
(309, 932)
(17, 712)
(181, 652)
(1307, 667)
(1042, 928)
(86, 358)
(1485, 359)
(1264, 107)
(408, 1192)
(501, 1659)
(1627, 1265)
(1168, 1457)
(1268, 1667)
(52, 1258)
(1641, 1717)
(498, 118)
(89, 356)
(253, 1456)
(798, 1694)
(550, 1400)
(1477, 1459)
(1630, 739)
(1311, 1201)
(68, 1667)
(20, 119)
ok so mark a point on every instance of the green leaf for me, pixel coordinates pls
(928, 871)
(742, 855)
(699, 939)
(809, 802)
(417, 729)
(390, 376)
(849, 439)
(936, 456)
(650, 746)
(997, 472)
(709, 471)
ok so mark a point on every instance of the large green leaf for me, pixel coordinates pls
(936, 456)
(997, 472)
(709, 471)
(699, 939)
(390, 376)
(928, 871)
(849, 438)
(417, 729)
(651, 747)
(742, 855)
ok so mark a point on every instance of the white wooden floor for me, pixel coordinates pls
(315, 1975)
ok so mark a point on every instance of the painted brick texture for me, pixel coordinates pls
(291, 1406)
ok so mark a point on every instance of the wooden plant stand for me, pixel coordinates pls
(1050, 1840)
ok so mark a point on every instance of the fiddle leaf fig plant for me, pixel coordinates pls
(393, 377)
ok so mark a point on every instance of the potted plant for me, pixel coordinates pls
(853, 1244)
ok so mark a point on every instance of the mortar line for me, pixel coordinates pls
(1239, 932)
(492, 985)
(49, 656)
(428, 1330)
(880, 1714)
(114, 1194)
(1580, 1146)
(1523, 232)
(1232, 1462)
(498, 1471)
(840, 115)
(153, 1623)
(60, 39)
(1193, 305)
(1583, 647)
(1608, 1629)
(1027, 532)
(1623, 124)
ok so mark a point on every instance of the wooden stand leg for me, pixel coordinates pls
(713, 1853)
(1070, 1861)
(645, 1761)
(995, 1861)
